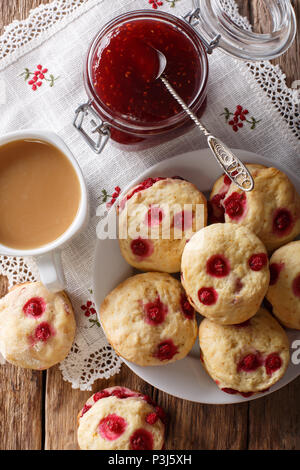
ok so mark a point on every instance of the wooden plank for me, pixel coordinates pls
(206, 427)
(191, 426)
(21, 404)
(274, 421)
(244, 8)
(289, 62)
(63, 405)
(16, 10)
(259, 17)
(21, 409)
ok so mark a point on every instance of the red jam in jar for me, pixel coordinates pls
(122, 70)
(126, 66)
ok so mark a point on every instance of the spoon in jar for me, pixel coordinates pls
(232, 166)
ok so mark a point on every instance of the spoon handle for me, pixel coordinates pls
(232, 165)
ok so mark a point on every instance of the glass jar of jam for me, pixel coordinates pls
(127, 104)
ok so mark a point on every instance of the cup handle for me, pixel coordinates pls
(51, 271)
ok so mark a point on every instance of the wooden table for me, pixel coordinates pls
(38, 409)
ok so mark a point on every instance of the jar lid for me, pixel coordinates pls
(217, 28)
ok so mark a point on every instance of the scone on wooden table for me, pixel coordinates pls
(117, 418)
(156, 218)
(148, 320)
(271, 210)
(225, 273)
(37, 327)
(284, 289)
(245, 358)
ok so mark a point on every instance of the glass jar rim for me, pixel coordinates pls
(142, 126)
(213, 20)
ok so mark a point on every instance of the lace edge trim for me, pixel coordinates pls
(262, 94)
(87, 385)
(44, 11)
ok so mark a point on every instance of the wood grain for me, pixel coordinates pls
(63, 405)
(21, 412)
(289, 62)
(21, 396)
(191, 426)
(274, 421)
(16, 10)
(40, 409)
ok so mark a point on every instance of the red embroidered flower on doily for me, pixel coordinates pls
(39, 76)
(89, 308)
(159, 3)
(239, 118)
(110, 199)
(155, 3)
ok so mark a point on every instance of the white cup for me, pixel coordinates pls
(48, 257)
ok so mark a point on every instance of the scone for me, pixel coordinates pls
(245, 358)
(156, 218)
(221, 187)
(119, 419)
(148, 320)
(271, 210)
(225, 273)
(284, 289)
(37, 327)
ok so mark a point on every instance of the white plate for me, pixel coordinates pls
(186, 378)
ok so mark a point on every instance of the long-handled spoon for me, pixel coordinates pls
(232, 166)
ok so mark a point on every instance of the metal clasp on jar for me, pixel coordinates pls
(94, 127)
(193, 18)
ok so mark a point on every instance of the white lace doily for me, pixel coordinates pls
(18, 270)
(42, 22)
(270, 77)
(91, 357)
